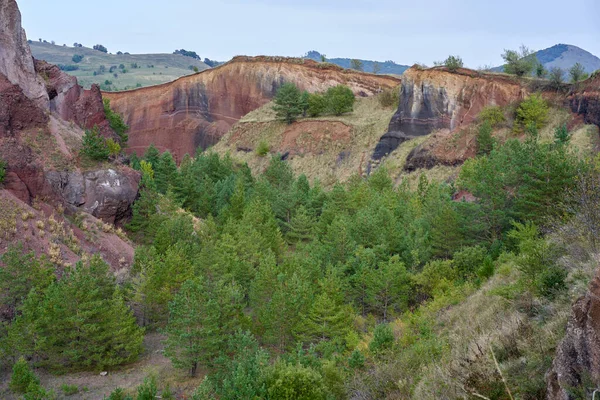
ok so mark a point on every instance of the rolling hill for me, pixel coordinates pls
(152, 69)
(386, 67)
(564, 56)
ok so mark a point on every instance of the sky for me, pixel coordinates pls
(406, 32)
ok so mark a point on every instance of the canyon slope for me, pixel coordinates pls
(196, 111)
(49, 202)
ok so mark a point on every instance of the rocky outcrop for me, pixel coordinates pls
(577, 361)
(16, 62)
(70, 101)
(195, 111)
(437, 99)
(105, 194)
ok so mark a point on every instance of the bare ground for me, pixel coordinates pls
(92, 385)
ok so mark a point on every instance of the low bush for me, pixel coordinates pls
(492, 114)
(532, 111)
(262, 149)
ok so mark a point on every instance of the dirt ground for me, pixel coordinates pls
(93, 386)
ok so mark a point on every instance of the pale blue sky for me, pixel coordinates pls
(399, 30)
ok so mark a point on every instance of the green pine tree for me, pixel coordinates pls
(165, 172)
(289, 104)
(94, 145)
(94, 329)
(200, 319)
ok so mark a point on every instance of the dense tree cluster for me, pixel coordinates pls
(281, 289)
(187, 53)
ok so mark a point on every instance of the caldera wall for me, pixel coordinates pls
(195, 111)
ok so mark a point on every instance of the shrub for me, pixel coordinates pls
(340, 99)
(356, 360)
(389, 97)
(492, 114)
(2, 171)
(94, 145)
(453, 63)
(317, 105)
(519, 62)
(383, 339)
(148, 389)
(77, 58)
(262, 149)
(69, 390)
(114, 148)
(116, 122)
(532, 111)
(22, 377)
(561, 134)
(286, 381)
(119, 394)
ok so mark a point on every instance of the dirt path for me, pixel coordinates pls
(92, 386)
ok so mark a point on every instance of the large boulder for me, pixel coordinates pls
(107, 194)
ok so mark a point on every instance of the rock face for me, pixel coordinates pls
(195, 111)
(434, 99)
(70, 101)
(16, 62)
(577, 361)
(586, 100)
(105, 194)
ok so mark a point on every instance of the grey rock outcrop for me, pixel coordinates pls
(107, 194)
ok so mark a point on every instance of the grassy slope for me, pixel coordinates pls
(167, 67)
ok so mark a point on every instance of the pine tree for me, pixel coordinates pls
(165, 172)
(22, 377)
(389, 288)
(151, 155)
(301, 226)
(94, 146)
(485, 141)
(93, 329)
(288, 103)
(200, 319)
(326, 319)
(19, 273)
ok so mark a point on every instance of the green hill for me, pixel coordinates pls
(116, 71)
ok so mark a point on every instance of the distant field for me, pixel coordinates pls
(152, 69)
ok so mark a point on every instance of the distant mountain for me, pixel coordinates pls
(386, 67)
(119, 71)
(565, 56)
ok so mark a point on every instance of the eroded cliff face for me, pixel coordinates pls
(437, 99)
(586, 100)
(576, 366)
(195, 111)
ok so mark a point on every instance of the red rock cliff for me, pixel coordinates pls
(195, 111)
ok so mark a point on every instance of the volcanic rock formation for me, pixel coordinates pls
(434, 99)
(577, 360)
(41, 126)
(195, 111)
